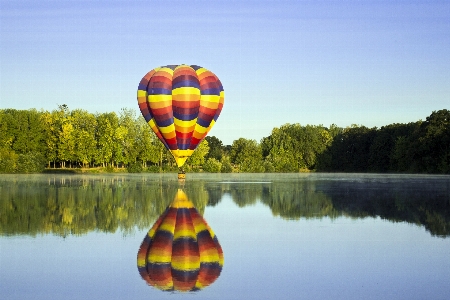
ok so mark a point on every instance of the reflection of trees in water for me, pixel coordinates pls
(422, 203)
(245, 194)
(299, 200)
(76, 205)
(426, 204)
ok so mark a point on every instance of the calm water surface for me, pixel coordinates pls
(285, 236)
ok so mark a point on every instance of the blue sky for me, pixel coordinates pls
(310, 62)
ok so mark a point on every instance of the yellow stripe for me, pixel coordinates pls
(200, 129)
(200, 226)
(211, 125)
(187, 90)
(209, 256)
(141, 93)
(158, 258)
(153, 124)
(211, 232)
(141, 261)
(159, 98)
(167, 129)
(182, 153)
(186, 232)
(209, 98)
(170, 227)
(201, 70)
(199, 285)
(184, 124)
(184, 265)
(168, 70)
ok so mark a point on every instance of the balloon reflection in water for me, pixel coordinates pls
(180, 252)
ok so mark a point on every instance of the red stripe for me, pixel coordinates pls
(186, 104)
(183, 135)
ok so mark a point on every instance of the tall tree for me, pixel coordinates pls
(66, 150)
(215, 148)
(107, 124)
(84, 124)
(248, 155)
(436, 142)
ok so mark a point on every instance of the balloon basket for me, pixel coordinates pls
(181, 176)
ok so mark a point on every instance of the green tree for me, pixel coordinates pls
(107, 123)
(148, 145)
(247, 154)
(127, 136)
(436, 142)
(350, 149)
(278, 150)
(212, 165)
(226, 166)
(66, 149)
(84, 126)
(8, 161)
(198, 157)
(215, 148)
(51, 131)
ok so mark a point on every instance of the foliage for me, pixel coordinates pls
(212, 165)
(216, 149)
(247, 155)
(198, 157)
(226, 166)
(134, 167)
(8, 161)
(77, 138)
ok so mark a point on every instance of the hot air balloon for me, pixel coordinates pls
(181, 103)
(180, 252)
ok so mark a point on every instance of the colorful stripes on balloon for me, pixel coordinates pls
(180, 252)
(181, 103)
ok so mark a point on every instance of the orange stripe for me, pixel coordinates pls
(186, 97)
(160, 104)
(181, 129)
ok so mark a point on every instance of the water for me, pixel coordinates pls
(286, 236)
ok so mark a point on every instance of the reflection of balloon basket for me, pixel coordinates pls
(181, 175)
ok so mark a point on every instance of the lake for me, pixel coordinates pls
(283, 236)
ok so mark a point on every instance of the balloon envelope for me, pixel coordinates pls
(181, 103)
(180, 252)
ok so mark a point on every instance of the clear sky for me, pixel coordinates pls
(310, 62)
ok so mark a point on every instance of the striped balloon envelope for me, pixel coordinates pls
(180, 252)
(181, 104)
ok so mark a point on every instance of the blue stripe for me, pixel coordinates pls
(215, 91)
(186, 83)
(142, 87)
(148, 118)
(203, 123)
(172, 67)
(159, 91)
(184, 117)
(195, 67)
(164, 123)
(183, 146)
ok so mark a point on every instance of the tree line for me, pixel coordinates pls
(32, 140)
